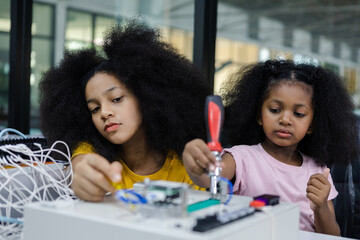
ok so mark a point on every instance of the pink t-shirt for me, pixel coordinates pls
(257, 173)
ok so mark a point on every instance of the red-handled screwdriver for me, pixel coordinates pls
(214, 118)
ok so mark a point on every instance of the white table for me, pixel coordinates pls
(303, 235)
(108, 219)
(68, 221)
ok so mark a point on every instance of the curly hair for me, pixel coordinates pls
(170, 89)
(335, 135)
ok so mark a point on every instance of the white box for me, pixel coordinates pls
(18, 183)
(111, 220)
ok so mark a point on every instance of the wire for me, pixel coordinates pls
(10, 220)
(31, 176)
(6, 130)
(124, 196)
(230, 185)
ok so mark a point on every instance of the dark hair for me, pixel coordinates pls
(335, 136)
(171, 91)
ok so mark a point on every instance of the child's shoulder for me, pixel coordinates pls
(236, 149)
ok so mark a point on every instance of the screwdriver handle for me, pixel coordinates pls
(214, 119)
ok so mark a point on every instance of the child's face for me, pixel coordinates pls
(287, 113)
(114, 110)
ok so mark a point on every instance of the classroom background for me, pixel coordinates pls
(218, 35)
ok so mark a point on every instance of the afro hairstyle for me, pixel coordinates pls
(335, 136)
(170, 89)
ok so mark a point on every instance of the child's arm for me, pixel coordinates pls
(318, 191)
(198, 159)
(91, 176)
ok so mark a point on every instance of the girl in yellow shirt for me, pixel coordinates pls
(128, 115)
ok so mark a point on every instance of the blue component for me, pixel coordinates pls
(121, 195)
(10, 220)
(230, 188)
(11, 130)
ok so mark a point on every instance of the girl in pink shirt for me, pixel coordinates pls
(288, 121)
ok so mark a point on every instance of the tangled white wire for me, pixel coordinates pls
(29, 176)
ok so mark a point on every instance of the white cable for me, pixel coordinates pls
(28, 176)
(6, 130)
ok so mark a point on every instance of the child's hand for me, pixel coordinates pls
(197, 157)
(318, 190)
(91, 176)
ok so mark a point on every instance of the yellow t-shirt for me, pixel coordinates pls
(172, 170)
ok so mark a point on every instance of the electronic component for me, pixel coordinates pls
(268, 199)
(219, 219)
(157, 198)
(165, 199)
(202, 204)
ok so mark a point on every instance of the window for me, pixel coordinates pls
(42, 49)
(79, 30)
(4, 60)
(85, 27)
(314, 32)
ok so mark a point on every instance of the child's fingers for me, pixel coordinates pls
(315, 182)
(89, 184)
(316, 195)
(192, 164)
(198, 151)
(111, 170)
(318, 180)
(87, 190)
(114, 175)
(314, 201)
(314, 190)
(91, 176)
(317, 186)
(205, 151)
(99, 178)
(317, 199)
(318, 189)
(326, 172)
(195, 156)
(205, 159)
(115, 172)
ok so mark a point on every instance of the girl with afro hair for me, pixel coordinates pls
(126, 116)
(288, 123)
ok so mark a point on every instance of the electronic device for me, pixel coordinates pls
(112, 219)
(268, 199)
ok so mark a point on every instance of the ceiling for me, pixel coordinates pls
(338, 20)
